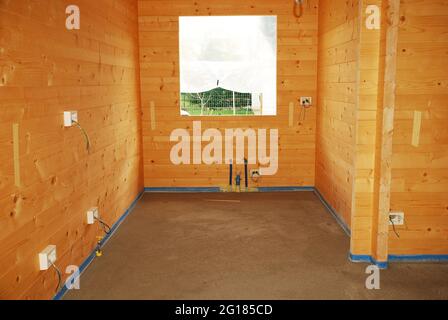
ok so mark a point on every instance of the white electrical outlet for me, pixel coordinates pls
(306, 101)
(396, 218)
(255, 173)
(47, 257)
(92, 214)
(70, 117)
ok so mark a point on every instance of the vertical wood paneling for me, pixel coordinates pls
(44, 70)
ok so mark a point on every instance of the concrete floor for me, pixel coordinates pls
(242, 246)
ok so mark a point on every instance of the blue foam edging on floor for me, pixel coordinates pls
(399, 258)
(92, 255)
(368, 259)
(333, 213)
(419, 258)
(184, 189)
(284, 189)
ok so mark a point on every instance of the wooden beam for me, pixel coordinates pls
(388, 110)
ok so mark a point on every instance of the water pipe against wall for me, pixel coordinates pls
(238, 181)
(230, 173)
(246, 178)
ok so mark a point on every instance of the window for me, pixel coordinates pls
(228, 65)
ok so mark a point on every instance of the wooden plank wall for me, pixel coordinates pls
(44, 70)
(419, 157)
(297, 73)
(336, 117)
(420, 173)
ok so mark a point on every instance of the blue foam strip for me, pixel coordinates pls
(334, 213)
(184, 190)
(419, 258)
(400, 258)
(284, 189)
(92, 255)
(368, 259)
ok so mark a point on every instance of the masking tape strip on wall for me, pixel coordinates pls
(291, 114)
(416, 128)
(16, 150)
(153, 115)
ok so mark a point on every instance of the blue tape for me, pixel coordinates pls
(333, 212)
(184, 190)
(419, 258)
(92, 255)
(368, 259)
(284, 189)
(400, 258)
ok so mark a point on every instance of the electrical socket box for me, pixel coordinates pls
(92, 214)
(47, 257)
(255, 173)
(70, 117)
(396, 218)
(306, 101)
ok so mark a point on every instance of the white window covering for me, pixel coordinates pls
(237, 53)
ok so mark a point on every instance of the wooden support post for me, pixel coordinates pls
(381, 238)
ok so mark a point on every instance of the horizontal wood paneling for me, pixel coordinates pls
(337, 99)
(420, 173)
(44, 70)
(297, 72)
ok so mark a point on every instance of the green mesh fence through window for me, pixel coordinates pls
(216, 102)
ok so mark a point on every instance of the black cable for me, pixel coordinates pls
(104, 226)
(303, 110)
(246, 178)
(393, 226)
(59, 276)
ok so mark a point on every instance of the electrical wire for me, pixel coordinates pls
(302, 115)
(393, 226)
(86, 136)
(106, 228)
(298, 4)
(59, 276)
(303, 110)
